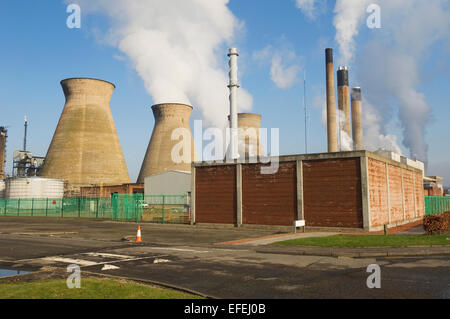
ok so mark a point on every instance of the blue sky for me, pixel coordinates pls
(39, 50)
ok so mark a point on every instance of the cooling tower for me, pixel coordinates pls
(331, 103)
(357, 128)
(163, 153)
(344, 99)
(85, 149)
(249, 138)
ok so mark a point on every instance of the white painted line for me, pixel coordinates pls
(179, 249)
(161, 261)
(80, 262)
(105, 255)
(109, 267)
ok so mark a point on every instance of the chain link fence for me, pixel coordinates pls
(164, 209)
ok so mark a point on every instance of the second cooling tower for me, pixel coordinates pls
(85, 149)
(165, 151)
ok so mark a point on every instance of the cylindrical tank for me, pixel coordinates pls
(34, 187)
(2, 188)
(85, 149)
(164, 153)
(331, 102)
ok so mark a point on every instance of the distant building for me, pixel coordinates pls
(433, 186)
(99, 191)
(168, 183)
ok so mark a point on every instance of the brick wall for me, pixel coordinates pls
(395, 191)
(269, 199)
(332, 193)
(216, 194)
(378, 197)
(405, 197)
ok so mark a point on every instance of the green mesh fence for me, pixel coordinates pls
(130, 208)
(436, 205)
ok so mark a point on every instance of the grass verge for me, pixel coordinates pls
(90, 289)
(370, 241)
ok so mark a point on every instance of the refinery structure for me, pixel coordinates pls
(364, 190)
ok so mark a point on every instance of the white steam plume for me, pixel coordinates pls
(178, 49)
(349, 17)
(388, 66)
(312, 8)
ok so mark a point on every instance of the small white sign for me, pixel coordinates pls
(299, 223)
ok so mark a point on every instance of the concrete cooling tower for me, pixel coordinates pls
(249, 138)
(159, 159)
(85, 149)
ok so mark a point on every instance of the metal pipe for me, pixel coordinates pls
(25, 135)
(331, 103)
(233, 86)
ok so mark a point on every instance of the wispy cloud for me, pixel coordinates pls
(285, 65)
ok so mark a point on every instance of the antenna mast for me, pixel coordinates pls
(306, 112)
(25, 135)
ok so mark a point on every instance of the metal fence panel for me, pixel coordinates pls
(436, 205)
(163, 209)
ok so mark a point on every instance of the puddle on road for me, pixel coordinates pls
(10, 272)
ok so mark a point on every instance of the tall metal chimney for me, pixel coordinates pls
(25, 134)
(3, 137)
(357, 128)
(85, 149)
(158, 158)
(331, 103)
(233, 86)
(344, 99)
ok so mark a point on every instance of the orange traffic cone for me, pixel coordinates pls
(138, 236)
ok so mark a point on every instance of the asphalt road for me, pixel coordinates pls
(187, 257)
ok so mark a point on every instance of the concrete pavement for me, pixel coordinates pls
(189, 258)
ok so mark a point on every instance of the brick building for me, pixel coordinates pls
(355, 190)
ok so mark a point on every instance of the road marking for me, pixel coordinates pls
(109, 267)
(160, 261)
(80, 262)
(105, 255)
(179, 249)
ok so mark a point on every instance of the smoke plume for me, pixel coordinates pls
(178, 49)
(387, 65)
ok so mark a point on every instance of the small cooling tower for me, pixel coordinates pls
(249, 139)
(85, 149)
(164, 153)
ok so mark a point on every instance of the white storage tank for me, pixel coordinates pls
(34, 187)
(2, 188)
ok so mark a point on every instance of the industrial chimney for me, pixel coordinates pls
(3, 136)
(331, 103)
(171, 120)
(85, 149)
(233, 86)
(344, 99)
(357, 129)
